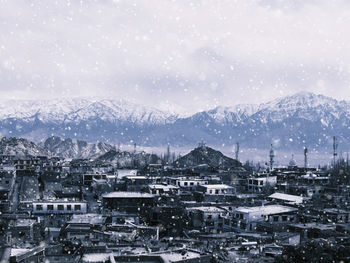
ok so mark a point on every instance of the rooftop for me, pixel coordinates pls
(266, 210)
(218, 186)
(122, 194)
(210, 209)
(290, 198)
(162, 186)
(93, 219)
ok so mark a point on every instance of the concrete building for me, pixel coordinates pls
(256, 184)
(245, 218)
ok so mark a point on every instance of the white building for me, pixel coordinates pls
(257, 184)
(163, 189)
(216, 189)
(245, 218)
(288, 199)
(188, 183)
(59, 207)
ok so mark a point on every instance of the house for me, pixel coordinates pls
(163, 189)
(59, 206)
(216, 189)
(88, 178)
(130, 202)
(24, 230)
(245, 218)
(207, 218)
(256, 184)
(7, 187)
(187, 182)
(215, 193)
(23, 255)
(83, 226)
(135, 183)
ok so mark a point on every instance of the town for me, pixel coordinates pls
(200, 207)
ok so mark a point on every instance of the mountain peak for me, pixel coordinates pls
(204, 154)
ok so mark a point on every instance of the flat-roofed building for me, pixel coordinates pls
(245, 218)
(216, 189)
(131, 202)
(163, 189)
(59, 207)
(258, 183)
(288, 199)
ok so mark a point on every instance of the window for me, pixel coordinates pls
(216, 191)
(69, 207)
(284, 218)
(185, 183)
(261, 182)
(210, 216)
(191, 183)
(241, 216)
(60, 207)
(210, 223)
(39, 207)
(275, 219)
(50, 207)
(77, 207)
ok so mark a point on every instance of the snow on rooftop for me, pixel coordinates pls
(290, 198)
(217, 186)
(96, 257)
(176, 256)
(266, 210)
(162, 186)
(210, 209)
(87, 219)
(18, 251)
(125, 172)
(122, 194)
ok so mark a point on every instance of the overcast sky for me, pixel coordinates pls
(182, 55)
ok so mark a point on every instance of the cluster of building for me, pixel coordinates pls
(54, 210)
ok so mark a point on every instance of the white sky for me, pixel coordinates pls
(179, 55)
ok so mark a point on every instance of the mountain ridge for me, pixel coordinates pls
(293, 121)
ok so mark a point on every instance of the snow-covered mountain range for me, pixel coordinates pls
(72, 148)
(303, 119)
